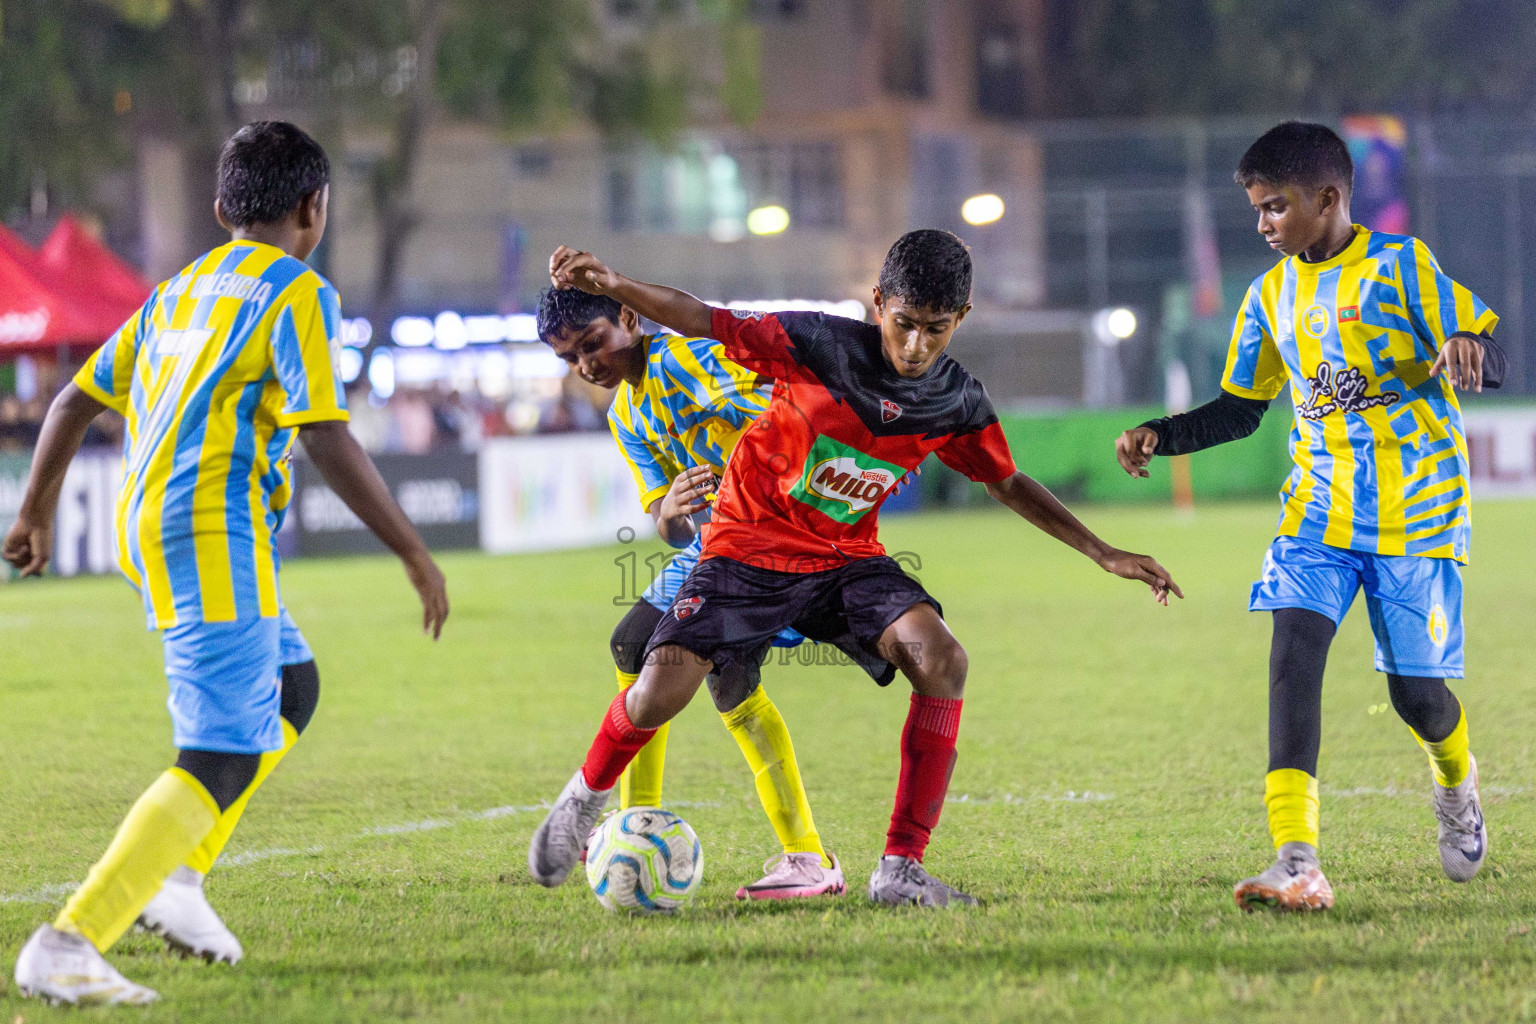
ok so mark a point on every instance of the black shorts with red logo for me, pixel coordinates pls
(728, 611)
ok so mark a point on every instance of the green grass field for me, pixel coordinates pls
(1106, 798)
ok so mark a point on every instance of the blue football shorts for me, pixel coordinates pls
(665, 586)
(226, 682)
(1414, 602)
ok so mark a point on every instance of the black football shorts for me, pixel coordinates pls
(727, 611)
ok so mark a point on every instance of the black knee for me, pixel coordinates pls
(632, 634)
(1427, 705)
(734, 683)
(224, 776)
(1297, 658)
(301, 694)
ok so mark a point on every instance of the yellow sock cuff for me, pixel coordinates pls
(626, 679)
(753, 707)
(203, 858)
(1290, 797)
(1450, 759)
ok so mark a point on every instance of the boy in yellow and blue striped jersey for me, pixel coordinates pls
(1373, 338)
(681, 407)
(216, 375)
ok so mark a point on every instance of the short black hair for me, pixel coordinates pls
(266, 170)
(929, 268)
(570, 309)
(1298, 153)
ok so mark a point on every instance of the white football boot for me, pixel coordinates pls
(1463, 832)
(64, 968)
(795, 875)
(181, 915)
(1293, 882)
(898, 881)
(560, 841)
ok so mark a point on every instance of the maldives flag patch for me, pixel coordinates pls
(1347, 313)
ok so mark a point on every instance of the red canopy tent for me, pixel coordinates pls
(73, 256)
(76, 293)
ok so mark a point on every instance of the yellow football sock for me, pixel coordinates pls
(203, 857)
(764, 739)
(168, 822)
(640, 785)
(1290, 795)
(1450, 759)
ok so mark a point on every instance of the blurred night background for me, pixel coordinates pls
(762, 152)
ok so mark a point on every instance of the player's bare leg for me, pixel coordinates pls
(921, 646)
(668, 681)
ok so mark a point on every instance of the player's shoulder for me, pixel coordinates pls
(1385, 247)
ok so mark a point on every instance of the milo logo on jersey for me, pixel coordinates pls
(843, 482)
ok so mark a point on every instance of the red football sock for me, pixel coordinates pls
(617, 743)
(927, 761)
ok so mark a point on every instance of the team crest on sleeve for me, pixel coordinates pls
(889, 410)
(1334, 390)
(748, 314)
(686, 606)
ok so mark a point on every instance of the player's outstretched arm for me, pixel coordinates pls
(1030, 499)
(29, 544)
(352, 475)
(673, 309)
(1228, 417)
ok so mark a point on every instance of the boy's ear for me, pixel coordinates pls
(960, 314)
(310, 207)
(879, 302)
(218, 213)
(1329, 198)
(628, 319)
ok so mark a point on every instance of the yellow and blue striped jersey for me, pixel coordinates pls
(214, 374)
(1381, 459)
(690, 410)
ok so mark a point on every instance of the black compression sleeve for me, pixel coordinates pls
(1228, 418)
(1495, 362)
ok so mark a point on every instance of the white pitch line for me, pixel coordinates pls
(54, 892)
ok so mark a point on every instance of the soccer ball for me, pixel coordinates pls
(644, 860)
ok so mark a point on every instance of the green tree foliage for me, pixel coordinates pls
(56, 101)
(1141, 57)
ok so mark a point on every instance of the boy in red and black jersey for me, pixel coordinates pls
(793, 542)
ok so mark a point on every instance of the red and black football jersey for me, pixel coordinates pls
(804, 486)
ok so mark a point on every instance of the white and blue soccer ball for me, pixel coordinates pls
(644, 860)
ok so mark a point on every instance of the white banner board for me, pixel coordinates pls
(1502, 445)
(566, 491)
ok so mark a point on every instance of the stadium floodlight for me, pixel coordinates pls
(986, 208)
(1114, 325)
(381, 373)
(768, 220)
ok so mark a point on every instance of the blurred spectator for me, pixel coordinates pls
(414, 422)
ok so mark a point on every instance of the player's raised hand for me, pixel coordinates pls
(572, 268)
(1135, 449)
(28, 546)
(1461, 359)
(1141, 567)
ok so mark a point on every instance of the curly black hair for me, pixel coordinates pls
(266, 170)
(1298, 153)
(570, 309)
(929, 268)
